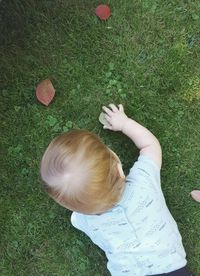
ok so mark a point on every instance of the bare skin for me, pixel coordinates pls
(144, 140)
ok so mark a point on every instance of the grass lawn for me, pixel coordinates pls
(147, 57)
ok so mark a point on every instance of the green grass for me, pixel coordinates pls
(147, 57)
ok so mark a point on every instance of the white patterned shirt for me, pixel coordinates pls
(139, 235)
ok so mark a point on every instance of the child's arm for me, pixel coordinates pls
(144, 140)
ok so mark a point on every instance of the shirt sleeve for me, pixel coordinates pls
(145, 169)
(79, 221)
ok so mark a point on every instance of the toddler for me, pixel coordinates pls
(127, 217)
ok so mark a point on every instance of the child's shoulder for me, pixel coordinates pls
(146, 162)
(144, 166)
(142, 180)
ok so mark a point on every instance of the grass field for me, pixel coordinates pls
(147, 57)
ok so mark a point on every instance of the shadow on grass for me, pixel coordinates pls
(142, 57)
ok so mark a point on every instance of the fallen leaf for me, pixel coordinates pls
(196, 195)
(103, 12)
(103, 120)
(45, 92)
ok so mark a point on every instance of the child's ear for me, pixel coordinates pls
(120, 170)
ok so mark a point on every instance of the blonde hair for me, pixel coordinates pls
(80, 172)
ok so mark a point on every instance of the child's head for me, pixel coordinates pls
(81, 173)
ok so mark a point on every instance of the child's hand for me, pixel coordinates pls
(115, 117)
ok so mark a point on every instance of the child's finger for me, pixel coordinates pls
(121, 108)
(113, 107)
(107, 110)
(108, 119)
